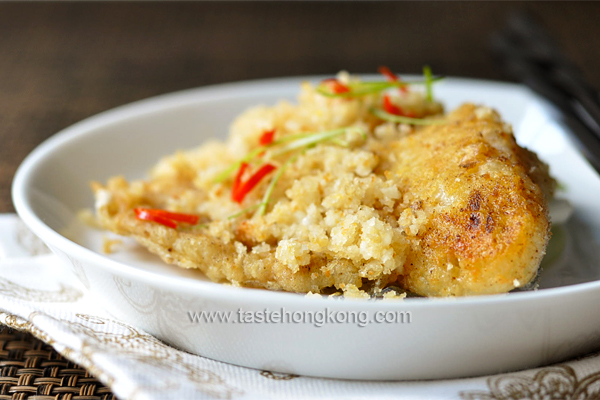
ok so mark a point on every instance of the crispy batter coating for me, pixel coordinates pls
(487, 201)
(446, 210)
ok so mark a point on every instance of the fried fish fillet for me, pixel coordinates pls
(487, 200)
(451, 209)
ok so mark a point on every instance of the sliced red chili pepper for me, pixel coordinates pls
(146, 215)
(187, 218)
(245, 188)
(391, 108)
(179, 217)
(385, 71)
(336, 86)
(267, 137)
(166, 218)
(237, 182)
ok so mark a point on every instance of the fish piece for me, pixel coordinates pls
(486, 201)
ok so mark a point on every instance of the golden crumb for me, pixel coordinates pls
(87, 217)
(109, 245)
(394, 296)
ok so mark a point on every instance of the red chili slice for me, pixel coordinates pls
(179, 217)
(391, 108)
(267, 137)
(146, 215)
(244, 188)
(166, 218)
(237, 182)
(385, 71)
(336, 86)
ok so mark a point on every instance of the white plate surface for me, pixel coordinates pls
(445, 338)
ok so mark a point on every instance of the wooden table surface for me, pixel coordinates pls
(62, 62)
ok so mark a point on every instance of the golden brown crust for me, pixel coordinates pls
(489, 221)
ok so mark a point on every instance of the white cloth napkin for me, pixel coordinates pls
(39, 295)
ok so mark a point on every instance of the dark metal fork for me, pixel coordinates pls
(531, 55)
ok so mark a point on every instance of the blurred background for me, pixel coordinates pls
(63, 62)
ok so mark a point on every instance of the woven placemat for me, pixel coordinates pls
(30, 369)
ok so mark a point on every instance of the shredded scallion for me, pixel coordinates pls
(428, 83)
(267, 196)
(404, 120)
(365, 88)
(244, 211)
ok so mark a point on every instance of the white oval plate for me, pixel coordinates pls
(445, 338)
